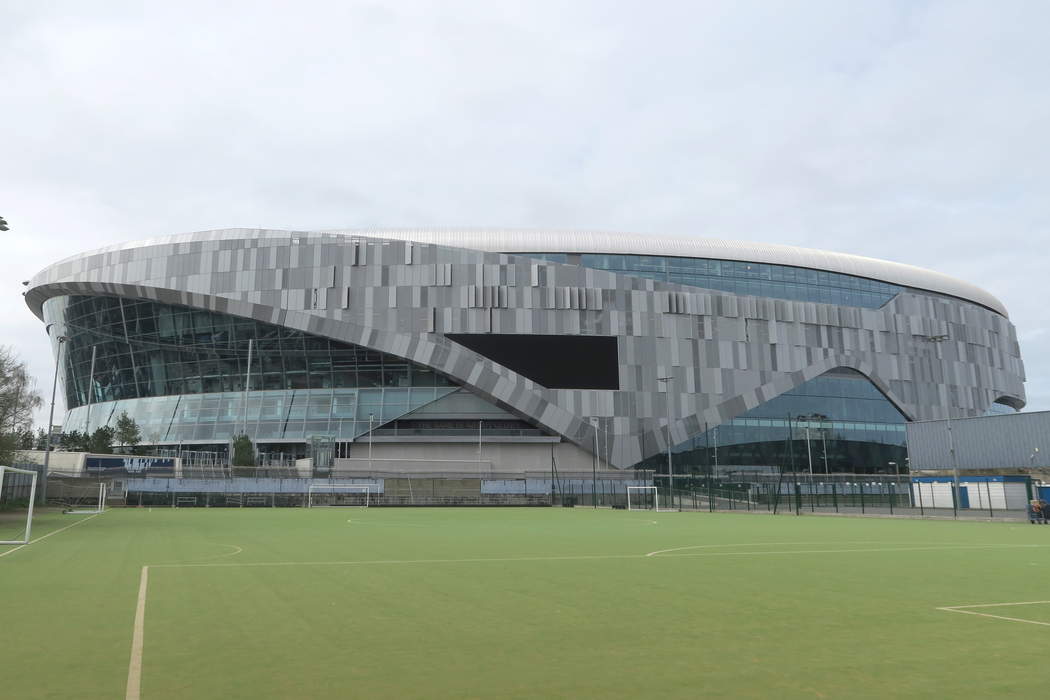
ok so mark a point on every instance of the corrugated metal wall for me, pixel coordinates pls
(993, 442)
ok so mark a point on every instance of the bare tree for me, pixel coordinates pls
(19, 400)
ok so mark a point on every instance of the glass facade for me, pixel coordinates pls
(180, 373)
(852, 427)
(745, 278)
(999, 409)
(145, 349)
(292, 414)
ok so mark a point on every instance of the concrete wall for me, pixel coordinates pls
(463, 457)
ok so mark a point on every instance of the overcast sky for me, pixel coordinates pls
(910, 131)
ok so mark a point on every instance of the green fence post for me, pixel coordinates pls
(862, 498)
(835, 495)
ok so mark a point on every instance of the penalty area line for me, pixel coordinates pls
(967, 610)
(44, 537)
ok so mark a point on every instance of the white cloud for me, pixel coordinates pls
(907, 131)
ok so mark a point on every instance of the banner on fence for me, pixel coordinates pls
(127, 464)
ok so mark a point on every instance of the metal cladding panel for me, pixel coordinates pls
(1012, 441)
(722, 352)
(574, 241)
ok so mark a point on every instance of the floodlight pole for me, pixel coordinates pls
(670, 466)
(51, 416)
(824, 443)
(936, 340)
(247, 381)
(370, 417)
(90, 391)
(594, 466)
(809, 452)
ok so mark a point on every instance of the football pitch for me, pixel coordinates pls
(521, 603)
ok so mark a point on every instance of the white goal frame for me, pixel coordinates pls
(656, 498)
(100, 507)
(32, 500)
(328, 488)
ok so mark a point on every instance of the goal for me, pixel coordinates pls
(9, 487)
(89, 501)
(327, 495)
(643, 498)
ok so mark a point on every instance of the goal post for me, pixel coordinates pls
(92, 504)
(315, 493)
(6, 485)
(645, 498)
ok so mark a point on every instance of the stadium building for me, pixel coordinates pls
(512, 349)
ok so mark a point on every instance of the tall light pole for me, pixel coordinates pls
(809, 457)
(937, 340)
(670, 466)
(371, 416)
(51, 416)
(594, 465)
(90, 392)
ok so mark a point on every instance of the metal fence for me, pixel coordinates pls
(856, 494)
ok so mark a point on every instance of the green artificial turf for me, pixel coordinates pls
(523, 603)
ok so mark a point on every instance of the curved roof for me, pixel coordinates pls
(566, 241)
(501, 240)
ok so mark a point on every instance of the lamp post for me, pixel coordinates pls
(670, 467)
(594, 465)
(51, 416)
(937, 340)
(371, 416)
(809, 456)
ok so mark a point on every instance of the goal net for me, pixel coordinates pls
(85, 500)
(643, 498)
(17, 494)
(326, 495)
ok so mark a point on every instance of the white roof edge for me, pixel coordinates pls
(505, 240)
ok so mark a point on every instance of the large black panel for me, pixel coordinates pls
(553, 361)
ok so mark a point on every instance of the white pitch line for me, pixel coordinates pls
(964, 610)
(995, 605)
(44, 537)
(135, 663)
(848, 551)
(582, 557)
(754, 544)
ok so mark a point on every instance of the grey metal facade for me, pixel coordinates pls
(726, 354)
(1020, 441)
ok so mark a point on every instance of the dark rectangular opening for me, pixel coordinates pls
(552, 361)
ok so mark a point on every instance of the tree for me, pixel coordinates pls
(41, 439)
(19, 400)
(101, 441)
(243, 452)
(74, 441)
(127, 432)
